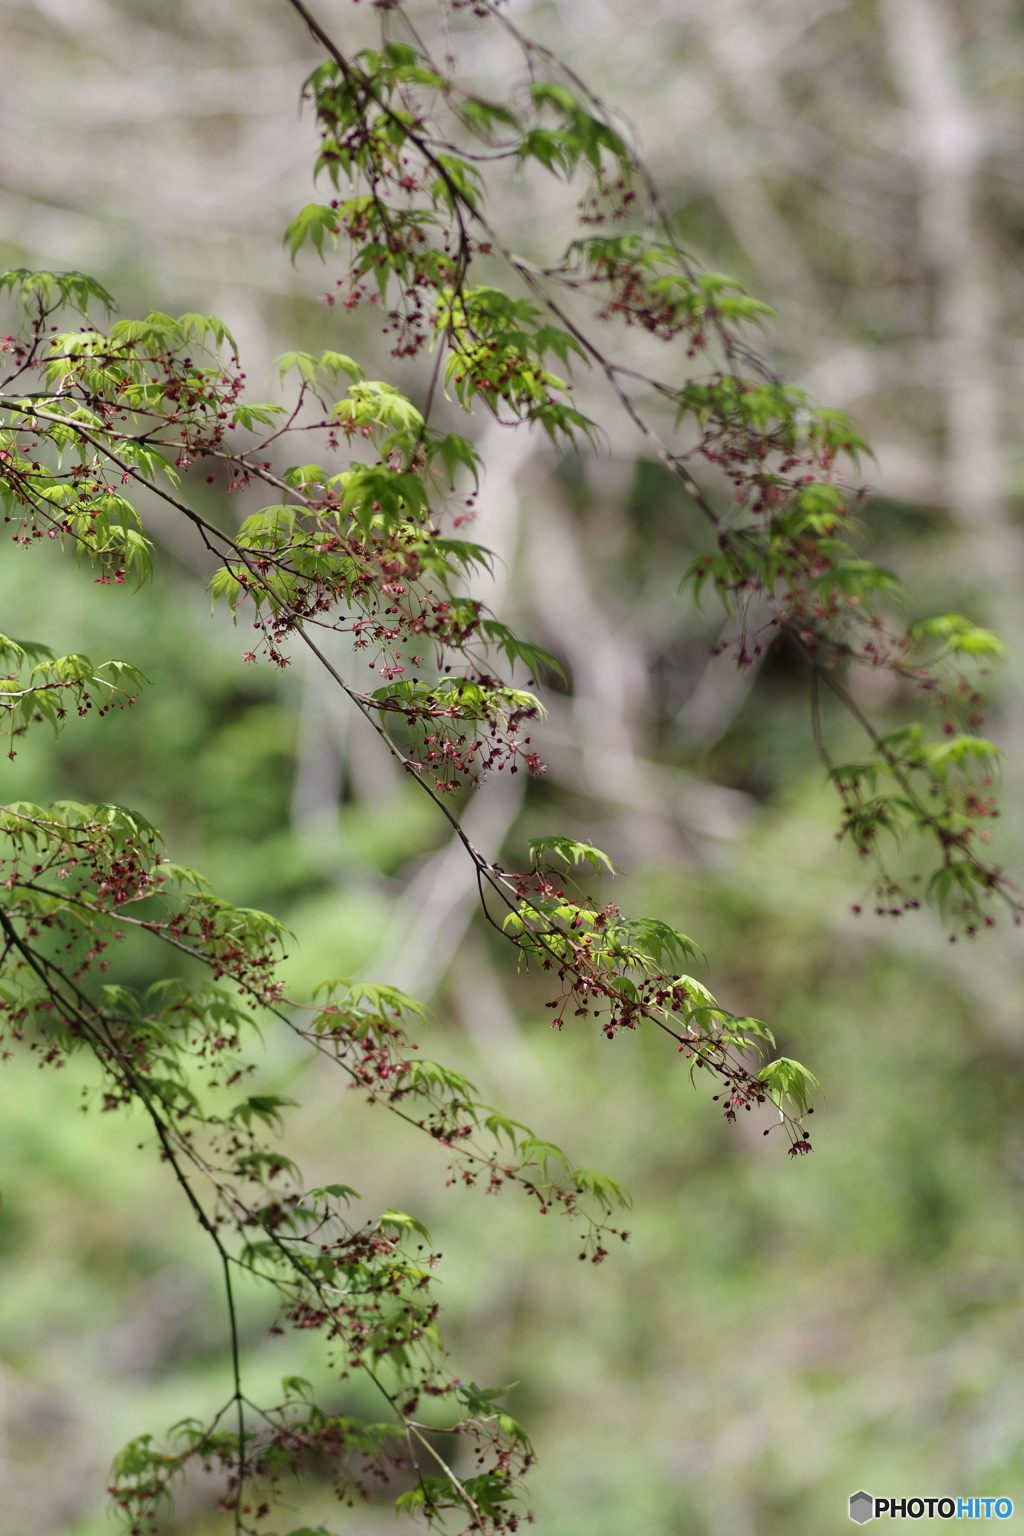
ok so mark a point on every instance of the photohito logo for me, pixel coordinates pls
(864, 1507)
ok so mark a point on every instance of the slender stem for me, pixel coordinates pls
(236, 1371)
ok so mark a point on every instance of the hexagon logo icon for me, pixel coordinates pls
(862, 1507)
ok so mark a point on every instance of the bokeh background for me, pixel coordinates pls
(777, 1333)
